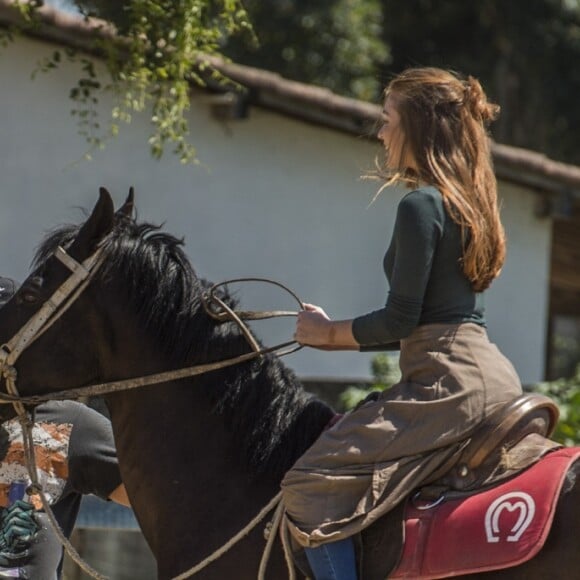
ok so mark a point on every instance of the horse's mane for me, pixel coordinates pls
(262, 401)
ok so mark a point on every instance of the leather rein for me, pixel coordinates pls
(68, 292)
(55, 307)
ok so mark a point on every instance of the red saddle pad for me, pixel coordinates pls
(498, 528)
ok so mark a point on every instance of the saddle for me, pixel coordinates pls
(523, 424)
(512, 438)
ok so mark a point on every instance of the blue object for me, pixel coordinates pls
(17, 491)
(96, 513)
(333, 561)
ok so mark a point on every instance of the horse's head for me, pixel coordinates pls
(64, 356)
(142, 313)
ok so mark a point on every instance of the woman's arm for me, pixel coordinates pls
(314, 328)
(418, 227)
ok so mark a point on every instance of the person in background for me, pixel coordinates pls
(447, 247)
(75, 455)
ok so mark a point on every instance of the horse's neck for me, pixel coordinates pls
(177, 451)
(189, 484)
(176, 455)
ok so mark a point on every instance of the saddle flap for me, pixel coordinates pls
(497, 528)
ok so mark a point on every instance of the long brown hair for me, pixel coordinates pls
(444, 121)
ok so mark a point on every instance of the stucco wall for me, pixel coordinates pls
(273, 197)
(518, 301)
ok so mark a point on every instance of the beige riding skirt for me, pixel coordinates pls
(452, 377)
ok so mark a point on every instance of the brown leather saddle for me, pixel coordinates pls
(520, 427)
(485, 454)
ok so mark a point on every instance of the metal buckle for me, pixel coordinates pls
(426, 506)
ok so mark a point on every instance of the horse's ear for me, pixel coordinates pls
(127, 208)
(97, 226)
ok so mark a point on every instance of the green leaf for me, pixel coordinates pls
(152, 65)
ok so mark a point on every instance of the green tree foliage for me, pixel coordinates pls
(385, 372)
(160, 49)
(333, 43)
(564, 354)
(566, 394)
(525, 53)
(163, 50)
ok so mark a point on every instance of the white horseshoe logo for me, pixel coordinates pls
(516, 500)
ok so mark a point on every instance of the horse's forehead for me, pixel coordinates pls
(63, 237)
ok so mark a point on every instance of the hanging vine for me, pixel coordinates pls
(160, 48)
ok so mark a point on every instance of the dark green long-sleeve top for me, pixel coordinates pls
(427, 283)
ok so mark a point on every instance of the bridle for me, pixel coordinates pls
(82, 273)
(47, 315)
(69, 291)
(60, 301)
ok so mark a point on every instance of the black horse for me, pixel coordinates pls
(200, 457)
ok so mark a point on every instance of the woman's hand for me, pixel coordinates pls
(315, 328)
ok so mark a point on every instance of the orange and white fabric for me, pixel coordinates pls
(51, 449)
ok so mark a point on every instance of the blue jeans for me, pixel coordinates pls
(333, 561)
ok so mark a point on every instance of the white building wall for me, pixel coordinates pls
(518, 301)
(274, 197)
